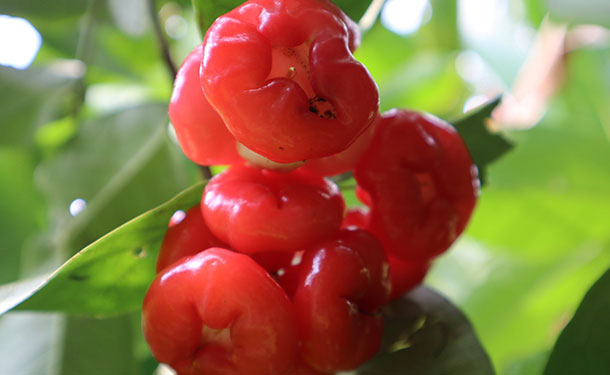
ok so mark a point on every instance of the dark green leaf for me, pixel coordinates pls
(425, 334)
(206, 11)
(43, 8)
(484, 146)
(108, 277)
(355, 9)
(582, 347)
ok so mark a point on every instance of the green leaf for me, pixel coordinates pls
(110, 353)
(531, 364)
(582, 347)
(420, 72)
(539, 236)
(536, 11)
(441, 32)
(425, 334)
(121, 165)
(43, 8)
(355, 9)
(21, 209)
(427, 82)
(206, 11)
(485, 147)
(108, 277)
(29, 98)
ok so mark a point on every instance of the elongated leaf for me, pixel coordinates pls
(582, 347)
(108, 277)
(484, 146)
(425, 334)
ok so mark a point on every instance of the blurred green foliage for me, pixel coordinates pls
(97, 130)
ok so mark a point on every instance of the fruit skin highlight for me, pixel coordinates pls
(218, 312)
(404, 275)
(185, 238)
(201, 133)
(270, 275)
(420, 183)
(282, 76)
(258, 210)
(342, 283)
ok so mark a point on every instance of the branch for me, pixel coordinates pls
(84, 50)
(169, 63)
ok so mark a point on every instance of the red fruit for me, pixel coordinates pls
(345, 160)
(186, 237)
(273, 260)
(356, 217)
(257, 210)
(282, 77)
(420, 183)
(342, 283)
(201, 133)
(218, 312)
(288, 278)
(404, 275)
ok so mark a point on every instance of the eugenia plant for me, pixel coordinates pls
(321, 210)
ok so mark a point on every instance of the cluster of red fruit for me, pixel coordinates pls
(270, 275)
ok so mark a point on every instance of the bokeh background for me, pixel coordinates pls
(85, 145)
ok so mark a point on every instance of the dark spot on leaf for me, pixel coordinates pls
(139, 252)
(77, 277)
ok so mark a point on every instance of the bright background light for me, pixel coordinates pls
(405, 16)
(19, 42)
(77, 206)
